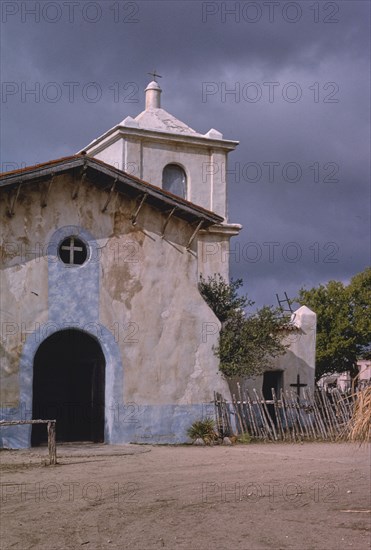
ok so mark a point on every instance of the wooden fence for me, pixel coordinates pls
(52, 446)
(287, 417)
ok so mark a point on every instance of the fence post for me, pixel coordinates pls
(52, 447)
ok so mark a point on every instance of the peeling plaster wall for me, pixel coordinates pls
(24, 284)
(137, 294)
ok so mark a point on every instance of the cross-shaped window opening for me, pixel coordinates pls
(72, 251)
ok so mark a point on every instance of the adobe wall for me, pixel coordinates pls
(137, 294)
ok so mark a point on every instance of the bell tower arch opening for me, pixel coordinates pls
(174, 180)
(69, 385)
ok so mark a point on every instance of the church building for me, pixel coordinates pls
(103, 325)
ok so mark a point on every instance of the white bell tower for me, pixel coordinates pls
(164, 151)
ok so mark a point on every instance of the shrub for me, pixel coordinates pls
(244, 439)
(204, 429)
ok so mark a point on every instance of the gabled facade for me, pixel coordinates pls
(103, 326)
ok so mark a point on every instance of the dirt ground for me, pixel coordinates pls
(314, 496)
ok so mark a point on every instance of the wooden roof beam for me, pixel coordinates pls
(135, 214)
(199, 225)
(45, 193)
(12, 202)
(110, 195)
(167, 221)
(82, 178)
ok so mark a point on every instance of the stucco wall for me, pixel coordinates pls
(114, 155)
(137, 295)
(213, 254)
(146, 158)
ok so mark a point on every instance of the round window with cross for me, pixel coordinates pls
(73, 251)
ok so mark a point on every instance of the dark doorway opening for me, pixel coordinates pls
(272, 379)
(69, 385)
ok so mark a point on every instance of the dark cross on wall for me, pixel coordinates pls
(298, 385)
(155, 75)
(72, 249)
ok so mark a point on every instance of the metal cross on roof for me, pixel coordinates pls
(155, 75)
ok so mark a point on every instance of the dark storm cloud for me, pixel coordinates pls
(305, 230)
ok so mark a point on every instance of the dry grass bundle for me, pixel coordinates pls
(360, 424)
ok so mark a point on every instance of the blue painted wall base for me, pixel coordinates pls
(131, 424)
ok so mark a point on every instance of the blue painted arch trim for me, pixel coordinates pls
(20, 436)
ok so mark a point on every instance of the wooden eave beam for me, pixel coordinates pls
(199, 225)
(45, 193)
(82, 177)
(110, 195)
(135, 214)
(12, 202)
(167, 221)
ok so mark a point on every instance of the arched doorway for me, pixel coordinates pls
(69, 385)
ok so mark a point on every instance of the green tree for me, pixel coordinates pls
(223, 297)
(343, 323)
(247, 343)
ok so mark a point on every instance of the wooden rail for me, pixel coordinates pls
(52, 446)
(311, 416)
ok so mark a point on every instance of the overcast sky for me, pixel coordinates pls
(289, 80)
